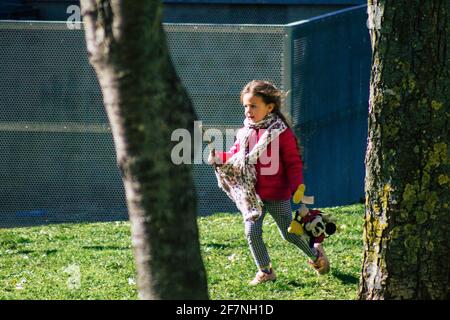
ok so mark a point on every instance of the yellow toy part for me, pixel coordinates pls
(299, 193)
(296, 228)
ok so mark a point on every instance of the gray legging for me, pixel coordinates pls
(281, 212)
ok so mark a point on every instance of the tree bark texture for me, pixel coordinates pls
(145, 102)
(406, 230)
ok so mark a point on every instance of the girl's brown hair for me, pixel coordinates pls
(269, 93)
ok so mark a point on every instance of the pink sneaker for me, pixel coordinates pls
(263, 277)
(321, 265)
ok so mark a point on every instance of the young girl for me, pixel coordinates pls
(261, 172)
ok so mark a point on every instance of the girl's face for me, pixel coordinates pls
(255, 107)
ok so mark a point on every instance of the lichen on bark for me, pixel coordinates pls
(407, 159)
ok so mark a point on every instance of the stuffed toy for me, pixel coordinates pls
(312, 223)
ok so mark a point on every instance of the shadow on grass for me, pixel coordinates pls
(24, 251)
(101, 248)
(46, 252)
(345, 277)
(213, 245)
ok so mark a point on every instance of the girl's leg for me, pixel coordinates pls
(253, 232)
(282, 214)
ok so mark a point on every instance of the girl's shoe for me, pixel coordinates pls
(263, 277)
(321, 265)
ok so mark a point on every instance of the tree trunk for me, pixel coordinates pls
(406, 229)
(145, 102)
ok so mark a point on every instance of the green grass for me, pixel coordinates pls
(42, 262)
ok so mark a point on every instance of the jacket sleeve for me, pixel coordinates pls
(292, 161)
(223, 156)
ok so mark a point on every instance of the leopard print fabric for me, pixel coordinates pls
(237, 177)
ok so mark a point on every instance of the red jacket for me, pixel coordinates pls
(278, 176)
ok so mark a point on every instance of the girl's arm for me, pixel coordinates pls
(223, 156)
(292, 161)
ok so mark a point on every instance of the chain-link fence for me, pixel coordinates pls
(56, 149)
(330, 92)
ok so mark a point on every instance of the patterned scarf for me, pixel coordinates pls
(237, 177)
